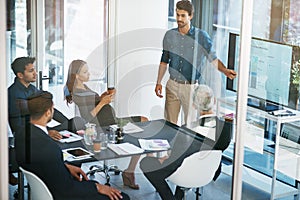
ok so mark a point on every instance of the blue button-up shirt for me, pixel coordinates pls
(17, 96)
(178, 52)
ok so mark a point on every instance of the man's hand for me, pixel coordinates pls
(158, 90)
(230, 73)
(76, 172)
(112, 193)
(54, 134)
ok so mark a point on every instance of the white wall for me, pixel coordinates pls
(139, 30)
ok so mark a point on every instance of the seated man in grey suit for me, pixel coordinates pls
(41, 155)
(157, 170)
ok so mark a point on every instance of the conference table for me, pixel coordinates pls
(156, 129)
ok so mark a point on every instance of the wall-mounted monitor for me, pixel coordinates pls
(270, 72)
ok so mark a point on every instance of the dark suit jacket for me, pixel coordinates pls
(44, 158)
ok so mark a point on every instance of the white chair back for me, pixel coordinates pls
(38, 189)
(197, 170)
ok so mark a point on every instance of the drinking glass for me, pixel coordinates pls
(90, 133)
(97, 146)
(112, 136)
(104, 141)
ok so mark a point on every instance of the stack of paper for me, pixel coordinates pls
(125, 148)
(132, 128)
(155, 144)
(128, 128)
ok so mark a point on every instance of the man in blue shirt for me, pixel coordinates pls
(180, 46)
(21, 89)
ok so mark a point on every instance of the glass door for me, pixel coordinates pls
(18, 32)
(73, 29)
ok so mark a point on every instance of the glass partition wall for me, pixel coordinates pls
(77, 29)
(70, 30)
(265, 155)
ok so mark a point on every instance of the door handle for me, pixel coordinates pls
(41, 79)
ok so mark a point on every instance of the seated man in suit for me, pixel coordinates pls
(42, 156)
(23, 68)
(157, 170)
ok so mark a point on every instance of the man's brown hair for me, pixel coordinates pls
(185, 5)
(39, 103)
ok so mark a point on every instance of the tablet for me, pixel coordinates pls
(78, 152)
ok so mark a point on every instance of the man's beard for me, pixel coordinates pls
(181, 24)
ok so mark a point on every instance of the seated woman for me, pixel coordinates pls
(157, 170)
(96, 109)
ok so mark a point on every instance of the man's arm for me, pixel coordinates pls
(76, 172)
(221, 67)
(161, 72)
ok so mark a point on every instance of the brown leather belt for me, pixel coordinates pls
(184, 81)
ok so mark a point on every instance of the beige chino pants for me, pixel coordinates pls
(179, 95)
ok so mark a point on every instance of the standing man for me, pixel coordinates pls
(184, 49)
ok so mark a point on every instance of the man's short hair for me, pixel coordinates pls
(39, 103)
(19, 64)
(203, 98)
(185, 5)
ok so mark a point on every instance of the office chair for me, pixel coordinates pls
(105, 168)
(196, 170)
(38, 189)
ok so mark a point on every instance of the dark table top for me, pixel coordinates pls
(156, 129)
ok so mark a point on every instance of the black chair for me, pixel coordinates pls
(106, 119)
(224, 131)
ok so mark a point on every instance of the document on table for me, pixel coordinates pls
(69, 137)
(125, 149)
(132, 128)
(128, 128)
(154, 144)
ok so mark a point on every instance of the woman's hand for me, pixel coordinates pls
(104, 94)
(112, 193)
(107, 99)
(76, 172)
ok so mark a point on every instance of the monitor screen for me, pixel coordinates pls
(270, 71)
